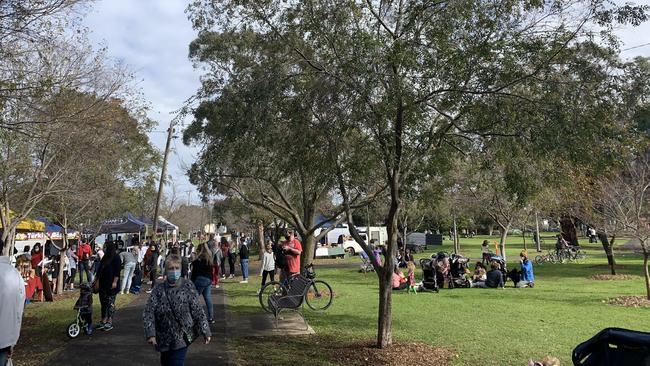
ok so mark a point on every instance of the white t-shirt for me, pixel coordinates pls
(12, 303)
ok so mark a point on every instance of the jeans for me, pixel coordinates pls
(222, 266)
(173, 358)
(127, 276)
(231, 263)
(84, 266)
(203, 287)
(244, 268)
(4, 353)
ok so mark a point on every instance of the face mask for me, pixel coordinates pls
(173, 276)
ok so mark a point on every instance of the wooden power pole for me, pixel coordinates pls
(170, 133)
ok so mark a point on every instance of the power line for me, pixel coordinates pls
(635, 47)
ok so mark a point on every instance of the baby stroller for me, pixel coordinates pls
(429, 275)
(84, 307)
(457, 269)
(366, 266)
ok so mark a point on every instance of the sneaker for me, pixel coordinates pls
(100, 326)
(231, 276)
(244, 281)
(107, 327)
(223, 277)
(216, 286)
(89, 329)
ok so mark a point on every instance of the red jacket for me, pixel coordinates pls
(84, 249)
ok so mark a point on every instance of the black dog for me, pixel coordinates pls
(514, 275)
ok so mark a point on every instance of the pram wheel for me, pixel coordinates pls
(74, 330)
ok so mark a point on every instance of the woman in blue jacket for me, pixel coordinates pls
(527, 275)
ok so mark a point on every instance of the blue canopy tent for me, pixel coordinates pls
(122, 225)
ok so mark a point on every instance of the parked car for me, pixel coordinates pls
(351, 246)
(416, 242)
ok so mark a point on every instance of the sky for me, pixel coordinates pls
(152, 38)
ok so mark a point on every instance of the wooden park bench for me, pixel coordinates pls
(292, 300)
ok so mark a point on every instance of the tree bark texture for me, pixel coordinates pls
(646, 272)
(568, 229)
(260, 238)
(385, 319)
(502, 241)
(607, 247)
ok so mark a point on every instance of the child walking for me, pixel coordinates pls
(268, 266)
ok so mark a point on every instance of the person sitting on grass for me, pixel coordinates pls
(494, 277)
(399, 281)
(527, 275)
(479, 276)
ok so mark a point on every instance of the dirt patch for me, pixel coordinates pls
(609, 277)
(606, 267)
(630, 301)
(400, 353)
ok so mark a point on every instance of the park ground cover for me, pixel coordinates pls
(479, 326)
(43, 332)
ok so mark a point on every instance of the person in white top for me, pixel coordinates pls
(268, 266)
(12, 303)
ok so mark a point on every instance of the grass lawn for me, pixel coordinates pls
(482, 326)
(44, 328)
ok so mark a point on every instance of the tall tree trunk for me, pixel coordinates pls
(646, 272)
(502, 240)
(568, 228)
(260, 238)
(308, 249)
(385, 320)
(60, 279)
(523, 235)
(607, 247)
(9, 238)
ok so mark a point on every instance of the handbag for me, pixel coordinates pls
(189, 338)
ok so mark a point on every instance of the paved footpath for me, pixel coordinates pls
(125, 344)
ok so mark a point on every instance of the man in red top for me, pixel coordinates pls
(84, 252)
(292, 249)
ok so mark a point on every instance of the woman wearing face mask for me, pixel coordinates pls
(173, 316)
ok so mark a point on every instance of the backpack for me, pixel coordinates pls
(280, 257)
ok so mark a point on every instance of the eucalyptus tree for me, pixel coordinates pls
(415, 79)
(263, 143)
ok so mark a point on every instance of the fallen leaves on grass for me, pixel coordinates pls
(630, 301)
(609, 277)
(400, 353)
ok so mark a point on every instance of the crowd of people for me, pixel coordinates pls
(480, 277)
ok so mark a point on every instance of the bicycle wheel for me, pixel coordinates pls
(319, 295)
(539, 259)
(271, 288)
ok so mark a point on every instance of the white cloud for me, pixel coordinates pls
(152, 38)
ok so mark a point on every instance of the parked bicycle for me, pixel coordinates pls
(319, 296)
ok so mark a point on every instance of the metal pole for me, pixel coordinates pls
(455, 236)
(538, 242)
(162, 179)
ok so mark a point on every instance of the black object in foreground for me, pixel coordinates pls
(613, 347)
